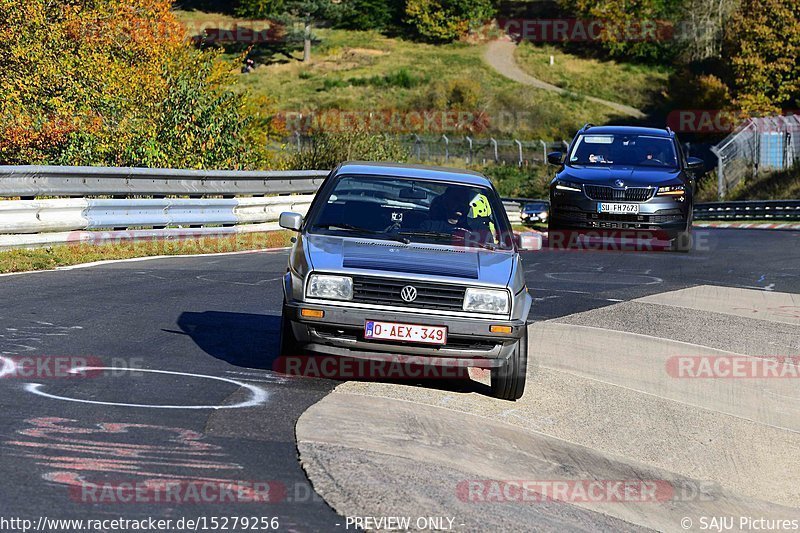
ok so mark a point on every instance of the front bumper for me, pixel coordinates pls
(662, 216)
(341, 332)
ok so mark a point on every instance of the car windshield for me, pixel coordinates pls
(631, 150)
(413, 210)
(535, 207)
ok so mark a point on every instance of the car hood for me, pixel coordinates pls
(632, 176)
(416, 260)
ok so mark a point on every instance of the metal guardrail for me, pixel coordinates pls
(213, 203)
(29, 181)
(749, 210)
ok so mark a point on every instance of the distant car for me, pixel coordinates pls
(625, 178)
(428, 269)
(533, 212)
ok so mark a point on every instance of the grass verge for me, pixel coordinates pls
(24, 260)
(638, 85)
(367, 72)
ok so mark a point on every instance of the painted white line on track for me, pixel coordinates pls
(258, 396)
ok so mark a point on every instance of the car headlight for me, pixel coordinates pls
(672, 190)
(330, 287)
(563, 185)
(486, 300)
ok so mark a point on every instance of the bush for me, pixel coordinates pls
(327, 150)
(114, 83)
(447, 20)
(512, 181)
(367, 14)
(401, 78)
(453, 94)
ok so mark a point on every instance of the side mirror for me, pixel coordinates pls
(695, 164)
(555, 158)
(291, 221)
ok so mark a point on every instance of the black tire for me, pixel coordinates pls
(683, 242)
(288, 343)
(508, 381)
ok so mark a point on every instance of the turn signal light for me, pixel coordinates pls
(312, 313)
(500, 329)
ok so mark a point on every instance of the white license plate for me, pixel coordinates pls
(395, 331)
(618, 209)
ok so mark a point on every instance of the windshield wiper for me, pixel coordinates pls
(485, 246)
(364, 231)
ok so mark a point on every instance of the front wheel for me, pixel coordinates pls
(508, 381)
(683, 242)
(288, 344)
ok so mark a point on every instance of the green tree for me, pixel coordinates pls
(447, 20)
(368, 14)
(763, 43)
(633, 28)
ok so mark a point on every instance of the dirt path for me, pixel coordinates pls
(500, 56)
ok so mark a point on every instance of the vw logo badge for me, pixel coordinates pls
(619, 183)
(408, 293)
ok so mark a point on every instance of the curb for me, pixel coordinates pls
(750, 225)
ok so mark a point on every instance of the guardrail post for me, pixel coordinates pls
(446, 148)
(519, 146)
(720, 173)
(544, 151)
(469, 152)
(418, 146)
(494, 148)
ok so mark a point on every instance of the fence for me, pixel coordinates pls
(208, 203)
(758, 144)
(182, 203)
(463, 149)
(776, 210)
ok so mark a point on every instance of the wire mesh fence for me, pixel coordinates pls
(763, 144)
(444, 149)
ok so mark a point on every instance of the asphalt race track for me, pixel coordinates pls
(188, 393)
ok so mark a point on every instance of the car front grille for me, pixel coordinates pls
(383, 291)
(631, 194)
(662, 217)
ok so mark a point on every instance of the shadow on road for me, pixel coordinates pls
(241, 339)
(252, 341)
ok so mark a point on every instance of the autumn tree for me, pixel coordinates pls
(763, 43)
(113, 82)
(447, 20)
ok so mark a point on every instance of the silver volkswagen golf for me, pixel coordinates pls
(412, 262)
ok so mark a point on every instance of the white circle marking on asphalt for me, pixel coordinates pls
(258, 396)
(592, 277)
